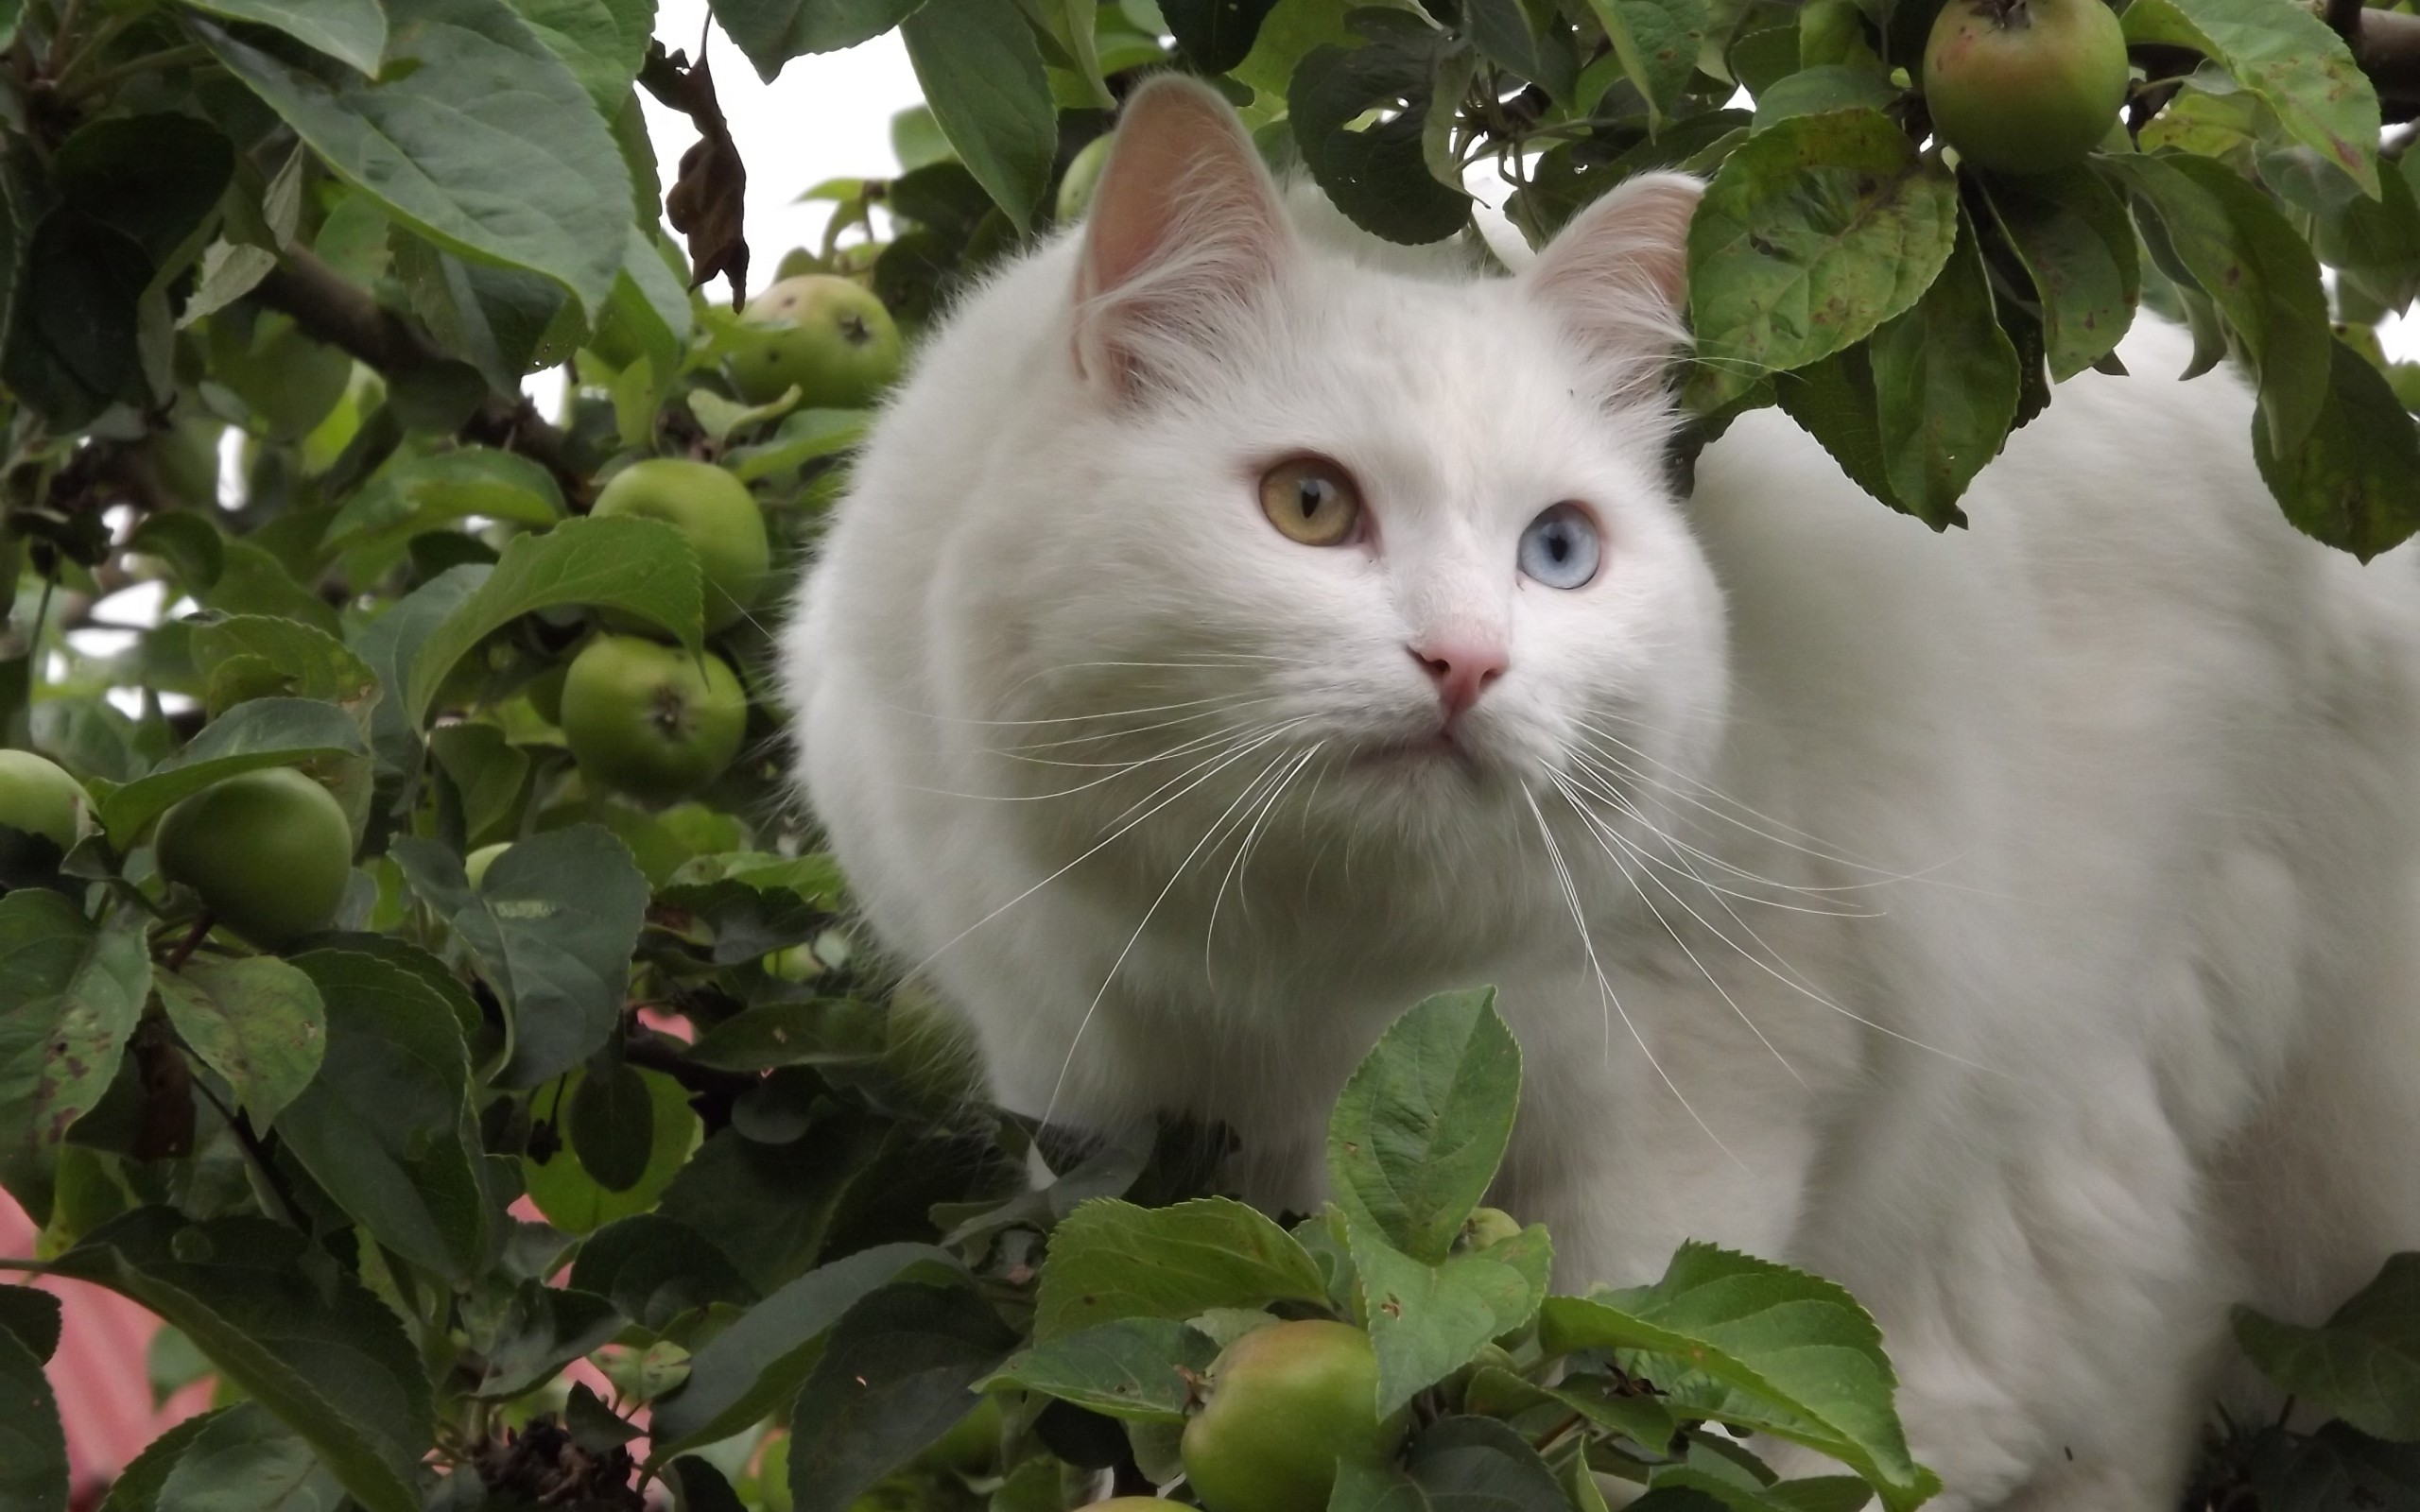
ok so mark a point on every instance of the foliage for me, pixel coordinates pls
(581, 1147)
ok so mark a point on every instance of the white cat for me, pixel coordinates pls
(1232, 639)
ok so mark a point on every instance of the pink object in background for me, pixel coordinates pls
(98, 1374)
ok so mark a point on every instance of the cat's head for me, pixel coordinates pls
(1404, 539)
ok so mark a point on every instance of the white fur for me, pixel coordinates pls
(2044, 966)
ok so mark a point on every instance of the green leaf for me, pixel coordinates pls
(32, 1318)
(555, 922)
(1424, 1122)
(255, 1021)
(820, 1032)
(1761, 1347)
(488, 148)
(771, 32)
(2077, 246)
(1822, 89)
(2290, 58)
(1428, 1321)
(577, 1200)
(263, 732)
(1812, 234)
(1111, 1260)
(387, 1126)
(1833, 400)
(2229, 238)
(278, 657)
(897, 1373)
(73, 338)
(1136, 1368)
(2355, 481)
(487, 771)
(418, 492)
(2363, 1364)
(653, 1269)
(155, 177)
(1377, 171)
(1216, 34)
(1373, 1489)
(1479, 1464)
(248, 1461)
(1946, 380)
(137, 1486)
(318, 1350)
(70, 994)
(543, 1330)
(1514, 38)
(982, 76)
(33, 1447)
(592, 43)
(639, 567)
(1657, 43)
(804, 436)
(612, 1124)
(350, 31)
(747, 1369)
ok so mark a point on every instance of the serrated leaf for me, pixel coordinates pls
(1945, 382)
(261, 733)
(256, 1021)
(899, 1371)
(1376, 169)
(802, 436)
(486, 145)
(248, 1461)
(320, 1351)
(33, 1319)
(1428, 1321)
(653, 1268)
(639, 567)
(387, 1126)
(34, 1446)
(1111, 1260)
(1423, 1123)
(1136, 1368)
(575, 1201)
(2291, 59)
(1812, 234)
(137, 1486)
(2355, 481)
(2363, 1364)
(1833, 400)
(1757, 1346)
(413, 493)
(771, 32)
(745, 1370)
(302, 662)
(555, 922)
(2077, 246)
(351, 31)
(70, 994)
(982, 76)
(593, 43)
(1478, 1465)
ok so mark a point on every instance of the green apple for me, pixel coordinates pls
(827, 337)
(2025, 86)
(37, 796)
(714, 512)
(1285, 1403)
(651, 720)
(269, 853)
(1083, 177)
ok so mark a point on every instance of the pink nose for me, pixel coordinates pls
(1460, 669)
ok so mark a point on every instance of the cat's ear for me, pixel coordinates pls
(1186, 229)
(1618, 277)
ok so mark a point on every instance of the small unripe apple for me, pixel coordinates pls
(827, 337)
(714, 513)
(268, 852)
(2025, 86)
(37, 796)
(651, 720)
(1285, 1402)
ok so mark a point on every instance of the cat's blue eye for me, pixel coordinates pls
(1560, 547)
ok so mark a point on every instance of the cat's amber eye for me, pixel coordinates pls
(1313, 500)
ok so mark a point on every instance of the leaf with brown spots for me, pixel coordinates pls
(72, 994)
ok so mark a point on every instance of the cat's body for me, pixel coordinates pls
(2021, 919)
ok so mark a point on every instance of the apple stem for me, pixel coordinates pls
(192, 941)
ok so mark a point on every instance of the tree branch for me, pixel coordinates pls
(332, 308)
(2387, 45)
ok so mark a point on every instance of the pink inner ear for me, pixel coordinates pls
(1617, 276)
(1186, 222)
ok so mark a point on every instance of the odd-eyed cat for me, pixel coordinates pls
(1231, 638)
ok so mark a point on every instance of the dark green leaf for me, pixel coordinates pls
(1833, 400)
(592, 42)
(1136, 1368)
(1427, 1320)
(154, 177)
(487, 147)
(982, 76)
(72, 340)
(2077, 246)
(1424, 1122)
(353, 31)
(898, 1374)
(2355, 481)
(639, 567)
(32, 1318)
(1813, 233)
(654, 1269)
(825, 1031)
(255, 1021)
(1945, 380)
(416, 492)
(572, 1198)
(317, 1349)
(1378, 175)
(2363, 1364)
(1824, 88)
(33, 1447)
(137, 1486)
(554, 922)
(2288, 58)
(1479, 1464)
(702, 1489)
(280, 658)
(70, 994)
(613, 1126)
(1371, 1488)
(2336, 1469)
(248, 1461)
(1513, 36)
(1657, 41)
(767, 1208)
(1216, 34)
(385, 1126)
(771, 32)
(747, 1369)
(1111, 1260)
(545, 1328)
(263, 732)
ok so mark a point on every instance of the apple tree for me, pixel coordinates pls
(419, 990)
